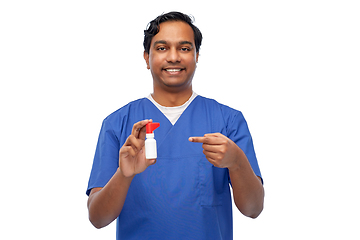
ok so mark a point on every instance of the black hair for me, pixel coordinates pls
(154, 27)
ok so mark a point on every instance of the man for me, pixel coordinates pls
(203, 146)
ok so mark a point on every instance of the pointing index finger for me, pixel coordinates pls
(210, 138)
(197, 139)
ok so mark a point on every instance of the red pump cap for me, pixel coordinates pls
(150, 127)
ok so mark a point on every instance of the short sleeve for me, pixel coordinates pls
(239, 133)
(106, 160)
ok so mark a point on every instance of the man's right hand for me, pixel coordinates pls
(105, 204)
(132, 158)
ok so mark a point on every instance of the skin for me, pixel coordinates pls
(174, 48)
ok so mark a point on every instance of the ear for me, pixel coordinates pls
(197, 57)
(146, 57)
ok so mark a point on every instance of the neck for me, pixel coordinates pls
(171, 99)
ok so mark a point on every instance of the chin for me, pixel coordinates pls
(179, 84)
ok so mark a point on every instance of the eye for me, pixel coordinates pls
(185, 49)
(161, 48)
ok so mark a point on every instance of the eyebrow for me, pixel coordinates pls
(181, 43)
(186, 42)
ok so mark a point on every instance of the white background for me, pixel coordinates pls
(291, 67)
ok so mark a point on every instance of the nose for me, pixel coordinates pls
(173, 56)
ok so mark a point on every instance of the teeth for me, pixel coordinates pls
(173, 70)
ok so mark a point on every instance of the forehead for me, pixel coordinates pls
(173, 32)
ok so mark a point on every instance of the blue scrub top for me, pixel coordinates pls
(182, 196)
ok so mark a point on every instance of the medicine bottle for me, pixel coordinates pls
(150, 142)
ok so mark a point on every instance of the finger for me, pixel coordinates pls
(216, 135)
(198, 139)
(214, 148)
(151, 162)
(139, 127)
(209, 139)
(134, 143)
(213, 135)
(210, 157)
(213, 156)
(142, 131)
(127, 151)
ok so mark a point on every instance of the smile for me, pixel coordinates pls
(173, 70)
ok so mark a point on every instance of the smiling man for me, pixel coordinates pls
(172, 59)
(203, 148)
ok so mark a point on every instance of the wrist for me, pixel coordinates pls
(123, 176)
(235, 167)
(238, 161)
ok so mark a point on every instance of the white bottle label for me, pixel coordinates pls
(150, 149)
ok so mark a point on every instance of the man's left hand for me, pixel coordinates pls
(219, 150)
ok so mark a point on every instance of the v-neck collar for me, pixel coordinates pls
(173, 113)
(166, 126)
(157, 108)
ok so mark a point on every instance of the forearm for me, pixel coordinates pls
(105, 204)
(248, 191)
